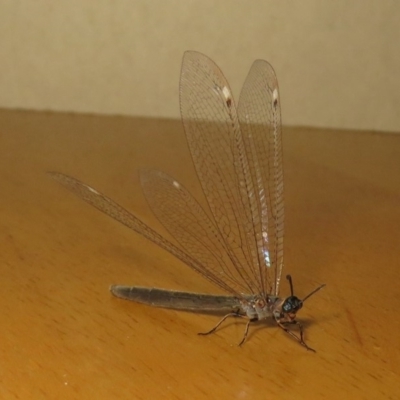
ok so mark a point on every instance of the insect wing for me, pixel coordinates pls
(239, 165)
(234, 165)
(260, 123)
(189, 224)
(115, 211)
(213, 133)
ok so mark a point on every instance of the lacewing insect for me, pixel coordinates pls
(238, 244)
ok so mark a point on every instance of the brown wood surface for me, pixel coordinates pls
(64, 336)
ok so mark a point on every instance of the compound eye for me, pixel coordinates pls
(292, 304)
(287, 307)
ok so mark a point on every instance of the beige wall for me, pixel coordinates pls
(338, 62)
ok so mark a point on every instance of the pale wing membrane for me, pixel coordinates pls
(260, 122)
(188, 223)
(213, 133)
(109, 207)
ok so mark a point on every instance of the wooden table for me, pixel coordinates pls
(64, 336)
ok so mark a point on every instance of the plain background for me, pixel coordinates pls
(338, 62)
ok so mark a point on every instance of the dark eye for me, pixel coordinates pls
(292, 304)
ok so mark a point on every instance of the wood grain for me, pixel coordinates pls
(65, 336)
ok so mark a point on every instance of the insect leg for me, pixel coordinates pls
(246, 331)
(299, 339)
(233, 314)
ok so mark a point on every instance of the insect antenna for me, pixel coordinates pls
(289, 278)
(314, 291)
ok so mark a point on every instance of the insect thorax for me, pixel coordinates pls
(259, 307)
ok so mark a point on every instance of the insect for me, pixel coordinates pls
(238, 243)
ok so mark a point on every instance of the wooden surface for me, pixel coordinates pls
(64, 336)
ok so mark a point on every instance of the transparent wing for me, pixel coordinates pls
(235, 164)
(212, 129)
(109, 207)
(238, 157)
(188, 223)
(260, 123)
